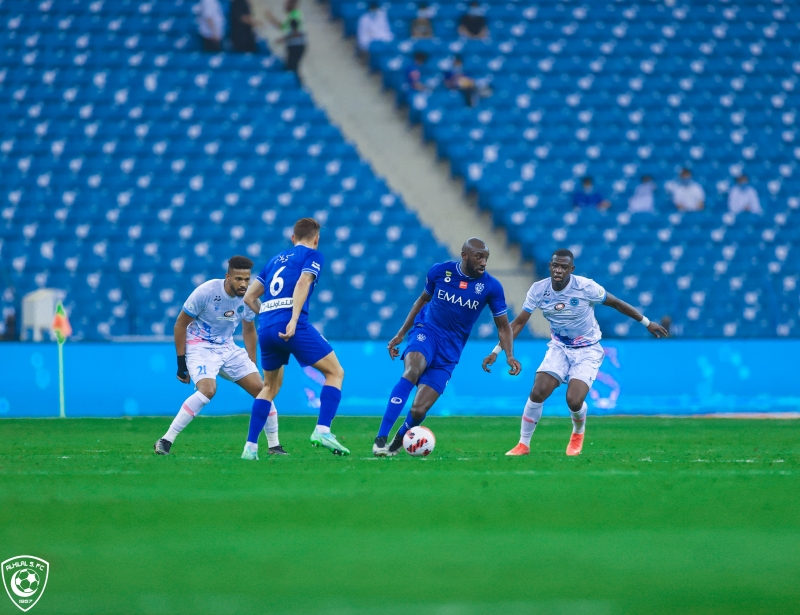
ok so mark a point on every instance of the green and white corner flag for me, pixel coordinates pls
(62, 330)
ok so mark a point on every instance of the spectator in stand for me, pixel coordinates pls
(295, 42)
(212, 25)
(373, 26)
(455, 79)
(10, 332)
(473, 23)
(743, 197)
(687, 194)
(292, 14)
(642, 199)
(588, 197)
(414, 80)
(421, 26)
(243, 37)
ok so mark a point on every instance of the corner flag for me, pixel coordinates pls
(63, 330)
(61, 326)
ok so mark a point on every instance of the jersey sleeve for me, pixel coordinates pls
(249, 315)
(532, 300)
(594, 292)
(196, 302)
(313, 263)
(262, 275)
(430, 279)
(497, 300)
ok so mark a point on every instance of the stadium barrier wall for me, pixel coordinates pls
(678, 377)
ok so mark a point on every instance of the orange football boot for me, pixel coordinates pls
(519, 450)
(575, 445)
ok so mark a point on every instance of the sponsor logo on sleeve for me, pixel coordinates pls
(421, 337)
(190, 306)
(315, 265)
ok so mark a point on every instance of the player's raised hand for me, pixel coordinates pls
(488, 362)
(657, 330)
(290, 329)
(394, 352)
(516, 366)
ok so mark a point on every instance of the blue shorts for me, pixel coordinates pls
(437, 373)
(307, 346)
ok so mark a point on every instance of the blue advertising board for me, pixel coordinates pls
(678, 377)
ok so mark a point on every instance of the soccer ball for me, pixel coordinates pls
(27, 581)
(419, 441)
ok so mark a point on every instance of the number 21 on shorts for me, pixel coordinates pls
(201, 370)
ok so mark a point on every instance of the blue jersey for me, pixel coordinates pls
(279, 277)
(457, 301)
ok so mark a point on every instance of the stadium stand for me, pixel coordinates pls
(617, 90)
(132, 166)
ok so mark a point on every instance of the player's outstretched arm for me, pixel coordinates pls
(299, 296)
(179, 333)
(420, 303)
(516, 326)
(507, 344)
(631, 312)
(250, 338)
(252, 298)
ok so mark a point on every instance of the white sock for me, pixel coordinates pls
(530, 418)
(579, 419)
(193, 404)
(323, 429)
(253, 446)
(271, 428)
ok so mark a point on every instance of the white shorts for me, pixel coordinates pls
(229, 361)
(566, 363)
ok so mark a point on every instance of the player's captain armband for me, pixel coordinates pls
(276, 304)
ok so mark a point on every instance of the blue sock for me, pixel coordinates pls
(328, 405)
(408, 424)
(258, 418)
(397, 402)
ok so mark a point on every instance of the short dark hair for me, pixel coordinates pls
(239, 262)
(564, 252)
(306, 227)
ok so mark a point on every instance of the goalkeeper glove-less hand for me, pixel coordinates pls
(183, 370)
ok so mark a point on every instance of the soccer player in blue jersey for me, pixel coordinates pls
(440, 322)
(286, 282)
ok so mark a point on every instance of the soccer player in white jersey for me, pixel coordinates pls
(204, 344)
(574, 353)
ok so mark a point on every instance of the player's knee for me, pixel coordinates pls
(419, 413)
(207, 387)
(575, 402)
(338, 372)
(538, 395)
(412, 374)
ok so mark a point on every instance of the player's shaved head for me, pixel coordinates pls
(473, 244)
(474, 254)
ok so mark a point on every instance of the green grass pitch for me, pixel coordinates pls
(657, 516)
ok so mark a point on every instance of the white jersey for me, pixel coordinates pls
(570, 311)
(216, 314)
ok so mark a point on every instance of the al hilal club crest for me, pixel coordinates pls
(25, 578)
